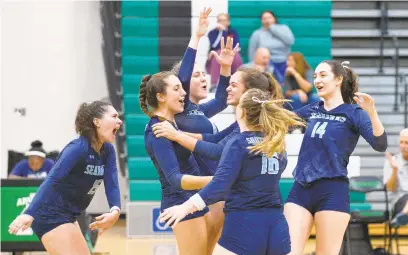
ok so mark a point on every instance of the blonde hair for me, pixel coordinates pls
(269, 116)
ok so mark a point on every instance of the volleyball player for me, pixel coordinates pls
(320, 193)
(178, 171)
(248, 176)
(68, 189)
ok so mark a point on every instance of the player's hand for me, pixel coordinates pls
(105, 221)
(391, 160)
(176, 213)
(165, 129)
(203, 22)
(365, 101)
(22, 222)
(227, 52)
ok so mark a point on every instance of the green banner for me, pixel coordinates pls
(14, 200)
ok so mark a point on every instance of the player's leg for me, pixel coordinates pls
(332, 216)
(215, 221)
(330, 229)
(299, 217)
(191, 236)
(65, 239)
(300, 223)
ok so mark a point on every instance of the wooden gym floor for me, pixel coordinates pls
(114, 242)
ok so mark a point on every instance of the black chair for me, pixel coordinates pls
(368, 184)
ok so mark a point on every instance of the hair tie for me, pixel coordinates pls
(344, 63)
(257, 100)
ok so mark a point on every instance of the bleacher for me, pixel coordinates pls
(310, 22)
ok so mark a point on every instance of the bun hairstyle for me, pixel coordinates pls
(268, 115)
(149, 88)
(36, 149)
(349, 84)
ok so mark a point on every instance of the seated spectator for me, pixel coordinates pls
(261, 61)
(36, 166)
(396, 179)
(222, 29)
(277, 38)
(298, 83)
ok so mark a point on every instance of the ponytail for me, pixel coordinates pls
(275, 121)
(349, 86)
(143, 95)
(271, 118)
(274, 87)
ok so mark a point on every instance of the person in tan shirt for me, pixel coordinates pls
(396, 180)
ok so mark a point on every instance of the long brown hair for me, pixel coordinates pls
(301, 64)
(268, 115)
(84, 120)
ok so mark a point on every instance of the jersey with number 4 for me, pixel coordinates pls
(76, 176)
(330, 139)
(246, 180)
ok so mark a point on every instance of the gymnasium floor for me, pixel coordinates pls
(114, 242)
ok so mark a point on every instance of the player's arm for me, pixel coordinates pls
(205, 149)
(215, 138)
(371, 129)
(167, 160)
(227, 172)
(70, 156)
(111, 180)
(219, 103)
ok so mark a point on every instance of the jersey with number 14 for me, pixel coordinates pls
(76, 176)
(330, 139)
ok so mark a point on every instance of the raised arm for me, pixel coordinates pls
(368, 123)
(187, 64)
(167, 160)
(225, 59)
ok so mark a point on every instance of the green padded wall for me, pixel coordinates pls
(140, 55)
(310, 22)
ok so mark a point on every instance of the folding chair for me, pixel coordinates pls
(368, 184)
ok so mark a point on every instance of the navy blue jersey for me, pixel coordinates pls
(171, 161)
(247, 180)
(195, 117)
(330, 139)
(214, 150)
(76, 176)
